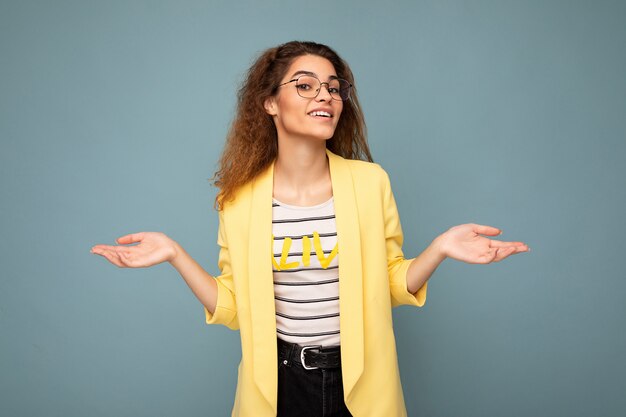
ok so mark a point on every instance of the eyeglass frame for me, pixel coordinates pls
(319, 89)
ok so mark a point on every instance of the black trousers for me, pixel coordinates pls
(308, 392)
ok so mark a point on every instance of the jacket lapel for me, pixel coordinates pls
(350, 271)
(262, 307)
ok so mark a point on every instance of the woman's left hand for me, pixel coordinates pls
(464, 243)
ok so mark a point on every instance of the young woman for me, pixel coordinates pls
(297, 180)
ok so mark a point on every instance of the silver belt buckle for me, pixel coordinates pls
(302, 355)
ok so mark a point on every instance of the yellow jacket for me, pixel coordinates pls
(372, 279)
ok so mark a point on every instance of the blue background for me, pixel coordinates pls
(512, 114)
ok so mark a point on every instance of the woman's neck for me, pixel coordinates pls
(302, 174)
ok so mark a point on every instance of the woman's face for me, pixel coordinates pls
(292, 113)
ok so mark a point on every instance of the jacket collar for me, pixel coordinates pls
(262, 307)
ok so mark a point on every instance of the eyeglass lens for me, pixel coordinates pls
(309, 87)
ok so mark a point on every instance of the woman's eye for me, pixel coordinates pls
(333, 90)
(303, 86)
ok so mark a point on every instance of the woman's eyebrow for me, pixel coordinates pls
(302, 72)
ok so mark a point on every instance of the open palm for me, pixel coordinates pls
(153, 248)
(464, 243)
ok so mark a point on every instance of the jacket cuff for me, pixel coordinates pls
(400, 293)
(224, 313)
(220, 316)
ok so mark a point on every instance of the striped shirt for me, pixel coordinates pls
(305, 266)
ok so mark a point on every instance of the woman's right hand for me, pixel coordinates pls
(153, 248)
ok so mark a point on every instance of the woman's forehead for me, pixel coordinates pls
(313, 64)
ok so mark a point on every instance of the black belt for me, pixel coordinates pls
(312, 356)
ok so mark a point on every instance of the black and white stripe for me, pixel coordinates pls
(306, 296)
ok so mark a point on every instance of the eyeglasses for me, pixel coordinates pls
(309, 86)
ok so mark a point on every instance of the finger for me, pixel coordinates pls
(111, 257)
(103, 247)
(520, 249)
(503, 253)
(501, 244)
(131, 238)
(117, 255)
(99, 249)
(486, 230)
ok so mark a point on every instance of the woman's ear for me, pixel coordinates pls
(270, 106)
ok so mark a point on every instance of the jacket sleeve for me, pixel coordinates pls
(226, 307)
(397, 265)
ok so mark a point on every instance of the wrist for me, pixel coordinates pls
(438, 247)
(177, 254)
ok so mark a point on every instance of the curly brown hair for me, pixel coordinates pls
(252, 142)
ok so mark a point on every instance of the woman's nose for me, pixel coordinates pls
(324, 94)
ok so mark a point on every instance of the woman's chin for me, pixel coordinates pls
(324, 134)
(313, 134)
